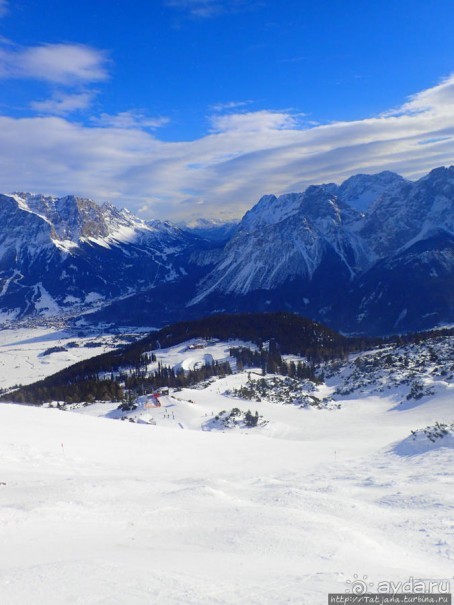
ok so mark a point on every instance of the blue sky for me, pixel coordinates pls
(184, 108)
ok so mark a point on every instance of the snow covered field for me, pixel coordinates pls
(21, 352)
(97, 511)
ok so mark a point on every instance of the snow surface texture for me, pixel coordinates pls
(105, 512)
(441, 434)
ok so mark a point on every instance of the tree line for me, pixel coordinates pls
(121, 387)
(270, 361)
(286, 333)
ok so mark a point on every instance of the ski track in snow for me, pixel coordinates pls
(101, 512)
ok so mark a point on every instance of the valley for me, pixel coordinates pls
(226, 302)
(289, 436)
(330, 252)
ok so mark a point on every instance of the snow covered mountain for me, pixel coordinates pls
(214, 230)
(59, 254)
(288, 237)
(361, 190)
(373, 255)
(355, 255)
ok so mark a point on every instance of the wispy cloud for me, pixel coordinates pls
(205, 9)
(64, 64)
(226, 171)
(229, 106)
(70, 71)
(438, 98)
(4, 7)
(132, 119)
(64, 103)
(255, 121)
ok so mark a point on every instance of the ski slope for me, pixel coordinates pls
(95, 511)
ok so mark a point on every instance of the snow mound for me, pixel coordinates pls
(195, 362)
(281, 390)
(235, 419)
(432, 437)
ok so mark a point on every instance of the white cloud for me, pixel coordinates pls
(69, 69)
(63, 103)
(224, 172)
(438, 98)
(218, 107)
(205, 9)
(132, 119)
(254, 121)
(64, 64)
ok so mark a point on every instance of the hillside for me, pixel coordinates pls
(177, 506)
(291, 333)
(65, 256)
(127, 369)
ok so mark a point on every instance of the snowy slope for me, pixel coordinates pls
(30, 354)
(290, 235)
(362, 190)
(215, 230)
(332, 252)
(98, 511)
(67, 255)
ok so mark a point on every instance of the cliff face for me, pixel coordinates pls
(60, 255)
(372, 255)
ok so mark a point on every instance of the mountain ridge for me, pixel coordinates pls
(63, 254)
(320, 228)
(331, 252)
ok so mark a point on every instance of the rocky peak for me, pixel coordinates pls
(411, 212)
(362, 190)
(270, 210)
(439, 176)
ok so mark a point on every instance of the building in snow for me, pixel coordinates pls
(151, 400)
(196, 345)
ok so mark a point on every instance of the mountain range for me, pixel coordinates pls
(70, 254)
(373, 255)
